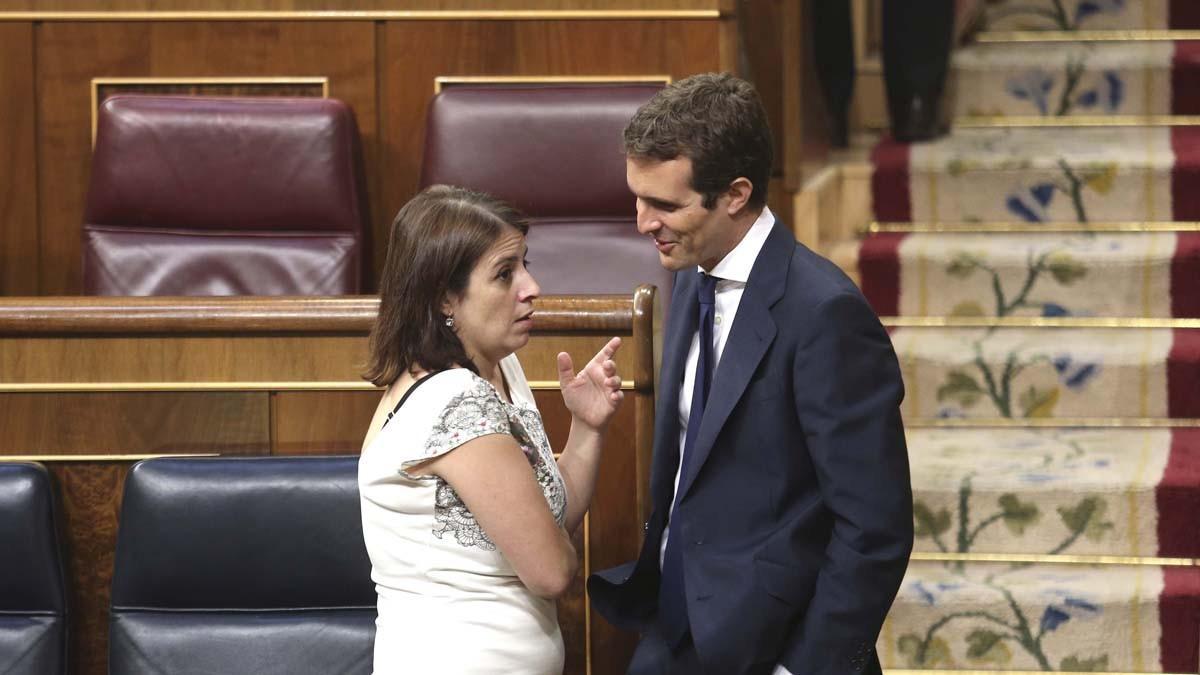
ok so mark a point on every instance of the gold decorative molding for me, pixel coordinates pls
(1087, 36)
(1052, 423)
(1035, 121)
(1060, 559)
(195, 84)
(350, 315)
(122, 387)
(316, 385)
(441, 81)
(1030, 228)
(369, 15)
(52, 459)
(587, 598)
(1035, 322)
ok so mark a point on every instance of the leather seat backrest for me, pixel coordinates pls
(242, 565)
(33, 598)
(555, 152)
(195, 195)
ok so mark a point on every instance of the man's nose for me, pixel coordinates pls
(647, 221)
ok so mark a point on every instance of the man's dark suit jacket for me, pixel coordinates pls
(796, 511)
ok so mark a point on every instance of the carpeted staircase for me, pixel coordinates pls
(1041, 270)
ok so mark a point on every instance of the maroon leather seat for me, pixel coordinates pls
(225, 196)
(555, 152)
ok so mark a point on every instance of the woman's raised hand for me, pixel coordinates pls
(593, 394)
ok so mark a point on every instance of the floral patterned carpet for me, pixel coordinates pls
(1041, 265)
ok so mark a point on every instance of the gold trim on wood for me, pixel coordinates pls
(244, 315)
(587, 599)
(1035, 322)
(441, 81)
(50, 459)
(98, 82)
(1027, 121)
(552, 385)
(117, 387)
(1061, 559)
(627, 384)
(1087, 36)
(378, 15)
(1028, 228)
(1052, 423)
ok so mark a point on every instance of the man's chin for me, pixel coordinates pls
(670, 263)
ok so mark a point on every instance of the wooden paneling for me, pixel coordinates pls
(90, 495)
(71, 54)
(760, 26)
(119, 359)
(134, 423)
(614, 532)
(45, 117)
(571, 615)
(250, 359)
(321, 422)
(413, 53)
(18, 163)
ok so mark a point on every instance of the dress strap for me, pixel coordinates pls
(404, 398)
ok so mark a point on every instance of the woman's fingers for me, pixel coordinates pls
(608, 350)
(612, 346)
(566, 370)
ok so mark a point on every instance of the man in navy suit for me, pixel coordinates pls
(782, 509)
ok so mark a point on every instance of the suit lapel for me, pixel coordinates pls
(680, 329)
(752, 333)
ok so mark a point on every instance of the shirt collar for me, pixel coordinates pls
(736, 264)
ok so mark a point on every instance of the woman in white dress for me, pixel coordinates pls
(466, 514)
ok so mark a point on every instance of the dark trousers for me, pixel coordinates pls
(654, 656)
(917, 37)
(833, 57)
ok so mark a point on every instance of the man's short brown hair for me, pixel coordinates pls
(718, 122)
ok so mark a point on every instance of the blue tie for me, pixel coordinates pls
(672, 598)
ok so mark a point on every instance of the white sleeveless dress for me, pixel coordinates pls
(449, 602)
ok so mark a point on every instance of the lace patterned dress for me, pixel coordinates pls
(449, 602)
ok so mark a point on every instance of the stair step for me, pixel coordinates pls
(1078, 79)
(1041, 175)
(1044, 15)
(1042, 373)
(989, 616)
(1107, 492)
(1110, 274)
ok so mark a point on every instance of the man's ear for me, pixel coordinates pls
(739, 195)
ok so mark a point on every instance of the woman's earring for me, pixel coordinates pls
(449, 321)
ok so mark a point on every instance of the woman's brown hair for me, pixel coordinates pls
(435, 242)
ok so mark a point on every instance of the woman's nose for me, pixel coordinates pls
(531, 289)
